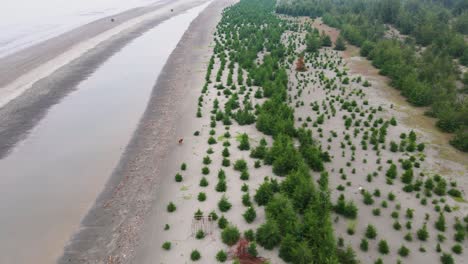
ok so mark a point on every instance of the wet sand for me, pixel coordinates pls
(116, 229)
(38, 83)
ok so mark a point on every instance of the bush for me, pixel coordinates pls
(221, 186)
(392, 172)
(224, 205)
(178, 177)
(203, 182)
(250, 215)
(240, 165)
(455, 193)
(206, 160)
(347, 209)
(371, 232)
(226, 152)
(249, 235)
(226, 162)
(213, 215)
(205, 170)
(211, 141)
(367, 198)
(201, 196)
(447, 259)
(383, 247)
(346, 256)
(244, 175)
(268, 235)
(364, 246)
(244, 142)
(166, 245)
(200, 234)
(422, 233)
(440, 223)
(221, 256)
(457, 249)
(195, 255)
(288, 244)
(230, 235)
(252, 249)
(264, 193)
(403, 251)
(171, 207)
(222, 222)
(260, 151)
(183, 166)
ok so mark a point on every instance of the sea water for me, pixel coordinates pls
(27, 22)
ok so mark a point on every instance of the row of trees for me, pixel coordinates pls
(297, 212)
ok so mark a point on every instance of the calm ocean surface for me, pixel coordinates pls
(26, 22)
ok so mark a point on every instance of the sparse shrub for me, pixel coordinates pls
(244, 142)
(221, 186)
(252, 249)
(222, 222)
(364, 245)
(203, 182)
(200, 234)
(249, 235)
(446, 258)
(403, 251)
(240, 165)
(422, 233)
(440, 223)
(201, 196)
(166, 245)
(246, 199)
(264, 194)
(371, 232)
(221, 256)
(171, 207)
(224, 205)
(195, 255)
(230, 235)
(250, 215)
(178, 177)
(457, 249)
(212, 140)
(383, 247)
(226, 162)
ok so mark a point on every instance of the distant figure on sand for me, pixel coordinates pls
(112, 19)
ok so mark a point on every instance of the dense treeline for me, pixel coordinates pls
(298, 213)
(426, 76)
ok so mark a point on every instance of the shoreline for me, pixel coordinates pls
(14, 65)
(114, 228)
(31, 101)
